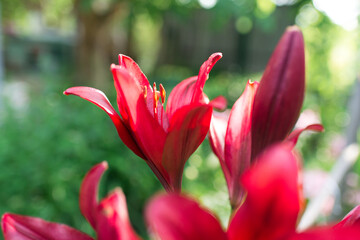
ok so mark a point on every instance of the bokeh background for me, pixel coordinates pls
(48, 141)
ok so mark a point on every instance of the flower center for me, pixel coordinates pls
(161, 94)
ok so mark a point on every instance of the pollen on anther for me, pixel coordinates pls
(162, 93)
(156, 97)
(145, 91)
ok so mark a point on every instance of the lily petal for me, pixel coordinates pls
(219, 103)
(17, 227)
(203, 76)
(217, 133)
(113, 219)
(149, 134)
(280, 94)
(88, 199)
(175, 217)
(180, 96)
(187, 130)
(190, 90)
(352, 218)
(272, 203)
(98, 98)
(327, 233)
(137, 75)
(294, 135)
(134, 70)
(238, 142)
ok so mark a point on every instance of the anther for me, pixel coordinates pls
(156, 97)
(162, 93)
(145, 91)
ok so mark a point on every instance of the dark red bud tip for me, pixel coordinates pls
(293, 28)
(280, 94)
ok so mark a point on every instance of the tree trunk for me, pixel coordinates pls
(94, 48)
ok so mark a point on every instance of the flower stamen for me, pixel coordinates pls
(156, 97)
(162, 93)
(145, 91)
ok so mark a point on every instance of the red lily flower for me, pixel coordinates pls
(109, 218)
(264, 114)
(269, 212)
(165, 140)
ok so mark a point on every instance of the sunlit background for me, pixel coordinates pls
(49, 141)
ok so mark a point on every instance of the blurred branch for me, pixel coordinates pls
(342, 166)
(331, 186)
(354, 110)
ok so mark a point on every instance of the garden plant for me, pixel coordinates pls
(254, 142)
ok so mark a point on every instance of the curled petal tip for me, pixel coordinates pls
(293, 137)
(251, 82)
(219, 103)
(216, 55)
(112, 66)
(104, 165)
(69, 91)
(121, 57)
(319, 128)
(3, 218)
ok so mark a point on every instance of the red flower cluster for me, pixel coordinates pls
(164, 139)
(269, 212)
(253, 142)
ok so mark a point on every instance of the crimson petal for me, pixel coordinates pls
(134, 70)
(327, 233)
(217, 133)
(238, 142)
(17, 227)
(272, 203)
(180, 96)
(99, 99)
(149, 134)
(219, 103)
(203, 76)
(137, 75)
(175, 217)
(88, 199)
(187, 130)
(113, 219)
(294, 135)
(191, 90)
(280, 94)
(352, 218)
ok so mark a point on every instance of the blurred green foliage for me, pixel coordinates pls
(46, 149)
